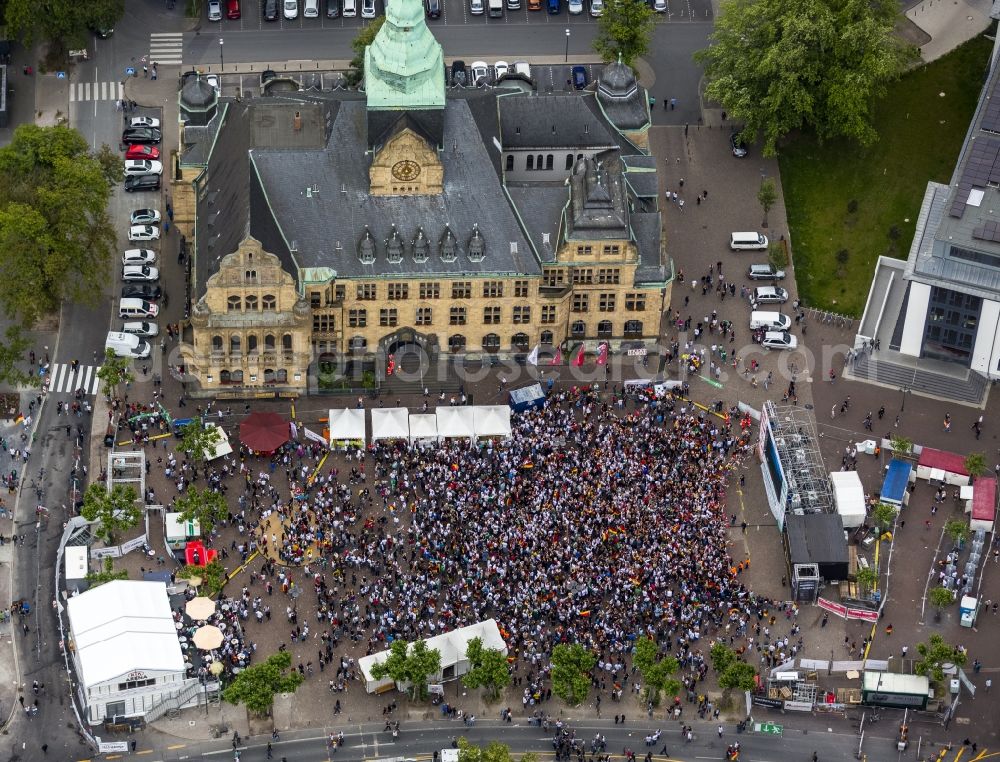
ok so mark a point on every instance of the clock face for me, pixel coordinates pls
(405, 170)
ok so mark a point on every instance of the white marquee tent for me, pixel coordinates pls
(455, 423)
(390, 423)
(347, 425)
(423, 427)
(491, 420)
(849, 496)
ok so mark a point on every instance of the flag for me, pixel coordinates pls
(602, 354)
(533, 356)
(578, 360)
(557, 360)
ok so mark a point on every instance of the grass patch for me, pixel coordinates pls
(847, 205)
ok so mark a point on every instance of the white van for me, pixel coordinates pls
(747, 241)
(350, 8)
(126, 345)
(496, 8)
(771, 321)
(133, 307)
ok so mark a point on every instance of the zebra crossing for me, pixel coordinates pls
(166, 48)
(96, 91)
(62, 378)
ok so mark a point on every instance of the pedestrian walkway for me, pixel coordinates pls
(166, 48)
(62, 378)
(96, 91)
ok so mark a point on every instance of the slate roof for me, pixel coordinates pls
(640, 174)
(622, 100)
(551, 121)
(540, 207)
(646, 229)
(327, 227)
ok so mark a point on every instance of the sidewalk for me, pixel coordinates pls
(949, 24)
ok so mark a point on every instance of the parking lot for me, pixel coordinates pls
(452, 12)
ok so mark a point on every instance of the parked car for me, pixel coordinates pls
(144, 121)
(596, 7)
(141, 328)
(142, 167)
(779, 340)
(480, 72)
(138, 257)
(368, 9)
(215, 10)
(660, 6)
(141, 291)
(523, 68)
(575, 7)
(534, 5)
(765, 272)
(501, 68)
(233, 9)
(738, 146)
(213, 81)
(432, 8)
(580, 79)
(477, 7)
(143, 233)
(142, 183)
(291, 9)
(310, 9)
(141, 273)
(332, 9)
(769, 295)
(554, 7)
(143, 135)
(144, 217)
(459, 75)
(270, 10)
(142, 152)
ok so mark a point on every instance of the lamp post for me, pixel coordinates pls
(222, 61)
(567, 46)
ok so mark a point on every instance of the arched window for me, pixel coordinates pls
(225, 377)
(234, 344)
(548, 161)
(546, 337)
(286, 342)
(237, 376)
(216, 343)
(252, 347)
(531, 161)
(456, 343)
(270, 303)
(251, 303)
(281, 376)
(569, 161)
(579, 156)
(519, 341)
(251, 275)
(268, 375)
(509, 163)
(491, 342)
(269, 342)
(358, 344)
(538, 162)
(233, 304)
(578, 328)
(604, 328)
(633, 328)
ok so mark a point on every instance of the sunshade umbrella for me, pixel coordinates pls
(264, 432)
(208, 637)
(200, 607)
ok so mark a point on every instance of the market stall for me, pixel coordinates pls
(984, 504)
(898, 475)
(347, 428)
(938, 465)
(423, 428)
(455, 423)
(849, 496)
(390, 423)
(491, 421)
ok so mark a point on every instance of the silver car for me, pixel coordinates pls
(769, 295)
(215, 10)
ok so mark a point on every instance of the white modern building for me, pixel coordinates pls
(937, 314)
(125, 651)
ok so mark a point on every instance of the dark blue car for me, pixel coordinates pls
(579, 77)
(554, 7)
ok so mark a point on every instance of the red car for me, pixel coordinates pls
(233, 9)
(143, 152)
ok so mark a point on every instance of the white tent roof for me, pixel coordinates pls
(455, 422)
(124, 626)
(423, 426)
(849, 496)
(347, 424)
(220, 448)
(491, 420)
(390, 423)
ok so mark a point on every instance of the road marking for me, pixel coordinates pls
(95, 91)
(166, 48)
(177, 746)
(64, 379)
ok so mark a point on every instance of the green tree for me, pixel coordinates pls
(206, 506)
(737, 676)
(934, 654)
(867, 579)
(957, 530)
(624, 30)
(900, 445)
(64, 24)
(975, 464)
(356, 73)
(941, 598)
(815, 65)
(657, 673)
(777, 255)
(55, 231)
(767, 194)
(883, 515)
(114, 372)
(12, 351)
(492, 752)
(409, 663)
(106, 574)
(113, 512)
(213, 576)
(571, 665)
(256, 686)
(721, 656)
(487, 669)
(199, 439)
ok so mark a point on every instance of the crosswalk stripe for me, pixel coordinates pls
(166, 48)
(85, 382)
(57, 371)
(63, 379)
(96, 91)
(97, 382)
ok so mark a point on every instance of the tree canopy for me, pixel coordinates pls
(62, 23)
(624, 30)
(256, 686)
(487, 669)
(199, 440)
(356, 73)
(571, 665)
(114, 512)
(114, 371)
(934, 654)
(409, 663)
(815, 65)
(657, 673)
(206, 506)
(213, 576)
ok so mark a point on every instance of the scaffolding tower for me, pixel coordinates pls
(128, 468)
(797, 443)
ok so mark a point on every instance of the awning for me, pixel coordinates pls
(264, 432)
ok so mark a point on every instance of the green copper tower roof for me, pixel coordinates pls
(404, 66)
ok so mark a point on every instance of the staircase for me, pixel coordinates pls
(406, 378)
(972, 389)
(173, 702)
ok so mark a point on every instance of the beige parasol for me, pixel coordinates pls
(216, 668)
(208, 637)
(200, 607)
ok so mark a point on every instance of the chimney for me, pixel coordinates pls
(297, 121)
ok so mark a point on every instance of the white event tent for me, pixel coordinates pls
(390, 423)
(491, 420)
(423, 427)
(455, 423)
(849, 496)
(347, 426)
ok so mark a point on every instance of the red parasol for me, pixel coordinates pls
(264, 432)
